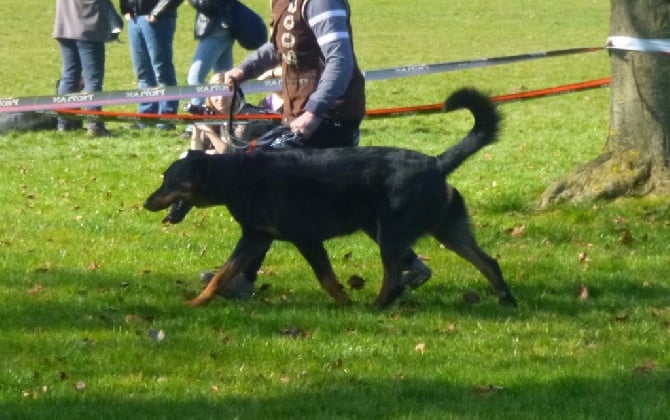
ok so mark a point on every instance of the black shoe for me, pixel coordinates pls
(416, 274)
(238, 288)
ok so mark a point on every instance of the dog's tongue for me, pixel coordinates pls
(178, 211)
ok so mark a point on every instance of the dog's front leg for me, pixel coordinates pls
(249, 247)
(392, 286)
(317, 257)
(220, 279)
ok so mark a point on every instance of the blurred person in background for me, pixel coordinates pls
(151, 29)
(81, 28)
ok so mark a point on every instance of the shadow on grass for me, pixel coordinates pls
(627, 396)
(72, 300)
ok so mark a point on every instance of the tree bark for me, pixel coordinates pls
(636, 160)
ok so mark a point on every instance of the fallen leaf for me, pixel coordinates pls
(487, 390)
(647, 367)
(626, 237)
(420, 348)
(658, 312)
(620, 220)
(583, 293)
(583, 258)
(517, 231)
(93, 266)
(48, 266)
(285, 379)
(449, 328)
(37, 288)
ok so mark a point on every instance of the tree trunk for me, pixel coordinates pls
(636, 160)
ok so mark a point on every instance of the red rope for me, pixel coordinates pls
(372, 113)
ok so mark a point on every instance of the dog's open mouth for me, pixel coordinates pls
(178, 211)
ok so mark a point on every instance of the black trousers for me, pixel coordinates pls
(335, 134)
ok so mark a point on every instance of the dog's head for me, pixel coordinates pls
(182, 187)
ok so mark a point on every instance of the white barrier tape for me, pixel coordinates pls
(43, 103)
(630, 43)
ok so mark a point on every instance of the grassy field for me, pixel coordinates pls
(92, 286)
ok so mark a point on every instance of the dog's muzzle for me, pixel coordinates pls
(178, 212)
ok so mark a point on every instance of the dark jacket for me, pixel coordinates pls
(156, 8)
(303, 64)
(210, 14)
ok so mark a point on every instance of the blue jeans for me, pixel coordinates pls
(213, 52)
(151, 53)
(82, 61)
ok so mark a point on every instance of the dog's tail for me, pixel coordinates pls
(484, 131)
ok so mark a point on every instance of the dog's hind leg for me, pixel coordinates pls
(317, 257)
(394, 259)
(455, 233)
(249, 247)
(392, 286)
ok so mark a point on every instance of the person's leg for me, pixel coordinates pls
(335, 134)
(159, 37)
(70, 75)
(141, 59)
(213, 52)
(92, 57)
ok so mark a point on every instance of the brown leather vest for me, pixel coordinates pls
(302, 65)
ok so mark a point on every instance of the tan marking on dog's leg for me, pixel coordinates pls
(220, 280)
(335, 288)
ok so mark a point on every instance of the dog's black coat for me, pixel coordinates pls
(306, 196)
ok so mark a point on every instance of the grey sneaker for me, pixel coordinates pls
(416, 274)
(99, 132)
(238, 288)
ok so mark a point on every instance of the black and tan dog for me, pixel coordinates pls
(306, 196)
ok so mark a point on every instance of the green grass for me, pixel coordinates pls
(88, 278)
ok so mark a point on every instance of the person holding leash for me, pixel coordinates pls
(323, 91)
(323, 87)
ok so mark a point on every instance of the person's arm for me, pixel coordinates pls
(328, 21)
(257, 62)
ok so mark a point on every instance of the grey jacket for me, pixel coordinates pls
(83, 20)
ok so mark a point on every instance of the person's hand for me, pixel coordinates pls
(307, 123)
(151, 18)
(128, 16)
(235, 74)
(273, 73)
